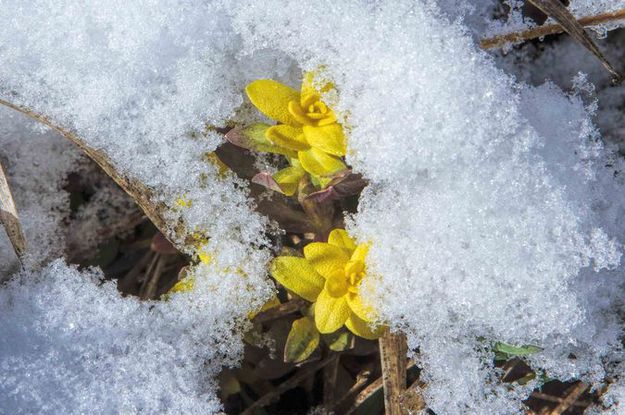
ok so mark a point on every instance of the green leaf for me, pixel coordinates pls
(302, 340)
(508, 350)
(338, 341)
(288, 179)
(253, 138)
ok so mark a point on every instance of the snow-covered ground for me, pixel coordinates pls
(494, 209)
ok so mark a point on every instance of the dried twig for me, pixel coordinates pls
(9, 217)
(566, 23)
(148, 288)
(550, 29)
(570, 399)
(545, 397)
(365, 394)
(393, 357)
(361, 381)
(290, 383)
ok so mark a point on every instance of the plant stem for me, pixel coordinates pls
(290, 383)
(550, 29)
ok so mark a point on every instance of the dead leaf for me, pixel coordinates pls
(266, 180)
(344, 185)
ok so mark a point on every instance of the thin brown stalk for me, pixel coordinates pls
(550, 29)
(151, 283)
(289, 384)
(9, 217)
(393, 350)
(365, 394)
(361, 381)
(569, 400)
(555, 399)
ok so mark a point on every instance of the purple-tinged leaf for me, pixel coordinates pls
(265, 179)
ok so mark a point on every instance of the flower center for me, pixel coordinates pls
(354, 273)
(311, 110)
(317, 110)
(347, 281)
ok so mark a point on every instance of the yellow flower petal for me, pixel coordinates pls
(326, 259)
(288, 179)
(272, 99)
(287, 136)
(308, 86)
(362, 329)
(362, 310)
(360, 253)
(184, 285)
(328, 138)
(340, 238)
(297, 275)
(330, 312)
(212, 158)
(317, 162)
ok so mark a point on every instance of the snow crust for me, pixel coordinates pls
(494, 211)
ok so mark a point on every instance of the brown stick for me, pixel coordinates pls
(550, 29)
(393, 358)
(361, 381)
(364, 395)
(9, 217)
(555, 399)
(148, 290)
(290, 383)
(570, 399)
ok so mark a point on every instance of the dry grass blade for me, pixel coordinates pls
(288, 384)
(365, 394)
(9, 217)
(140, 193)
(572, 396)
(559, 12)
(550, 29)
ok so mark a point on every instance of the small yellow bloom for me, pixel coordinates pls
(330, 275)
(184, 285)
(307, 126)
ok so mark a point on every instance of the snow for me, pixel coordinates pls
(493, 211)
(71, 344)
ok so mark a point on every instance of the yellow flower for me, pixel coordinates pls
(330, 275)
(308, 127)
